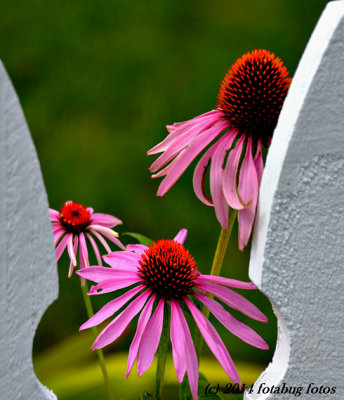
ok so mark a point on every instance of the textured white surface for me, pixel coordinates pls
(297, 254)
(28, 278)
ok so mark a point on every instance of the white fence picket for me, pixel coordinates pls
(297, 255)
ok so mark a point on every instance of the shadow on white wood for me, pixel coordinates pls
(297, 253)
(28, 275)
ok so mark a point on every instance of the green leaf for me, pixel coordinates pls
(185, 393)
(146, 396)
(140, 238)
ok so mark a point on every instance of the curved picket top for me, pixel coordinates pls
(297, 252)
(28, 278)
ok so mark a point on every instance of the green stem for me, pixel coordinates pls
(100, 354)
(162, 353)
(216, 269)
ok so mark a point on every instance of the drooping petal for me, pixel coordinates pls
(238, 328)
(57, 235)
(105, 219)
(95, 248)
(100, 274)
(229, 180)
(141, 326)
(226, 281)
(191, 356)
(248, 190)
(178, 342)
(114, 239)
(71, 249)
(180, 128)
(181, 236)
(137, 248)
(235, 301)
(199, 175)
(84, 261)
(75, 249)
(62, 245)
(216, 177)
(102, 241)
(124, 260)
(213, 341)
(196, 146)
(117, 326)
(258, 162)
(110, 308)
(150, 339)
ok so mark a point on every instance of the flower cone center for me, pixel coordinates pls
(168, 269)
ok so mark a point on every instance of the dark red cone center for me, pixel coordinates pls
(74, 217)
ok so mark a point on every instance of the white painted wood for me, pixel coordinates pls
(297, 254)
(28, 278)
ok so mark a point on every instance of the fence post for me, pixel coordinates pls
(297, 256)
(28, 278)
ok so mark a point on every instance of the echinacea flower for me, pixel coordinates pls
(249, 102)
(75, 223)
(166, 275)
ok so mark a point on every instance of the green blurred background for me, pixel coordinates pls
(98, 81)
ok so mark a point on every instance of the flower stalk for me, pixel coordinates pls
(100, 353)
(162, 354)
(216, 270)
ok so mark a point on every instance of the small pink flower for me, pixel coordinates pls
(73, 224)
(166, 275)
(249, 102)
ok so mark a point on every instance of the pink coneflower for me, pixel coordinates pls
(165, 276)
(249, 102)
(73, 224)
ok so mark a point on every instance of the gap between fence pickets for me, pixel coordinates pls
(276, 184)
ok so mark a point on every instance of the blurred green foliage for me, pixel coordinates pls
(98, 81)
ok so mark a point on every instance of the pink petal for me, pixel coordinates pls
(141, 326)
(180, 128)
(100, 274)
(248, 190)
(110, 308)
(216, 176)
(258, 162)
(229, 181)
(235, 301)
(113, 239)
(238, 329)
(181, 236)
(199, 175)
(111, 285)
(71, 265)
(117, 326)
(191, 357)
(181, 142)
(60, 248)
(95, 248)
(53, 215)
(214, 342)
(165, 170)
(196, 146)
(150, 339)
(57, 235)
(84, 262)
(105, 219)
(226, 281)
(125, 260)
(137, 248)
(71, 250)
(102, 240)
(178, 342)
